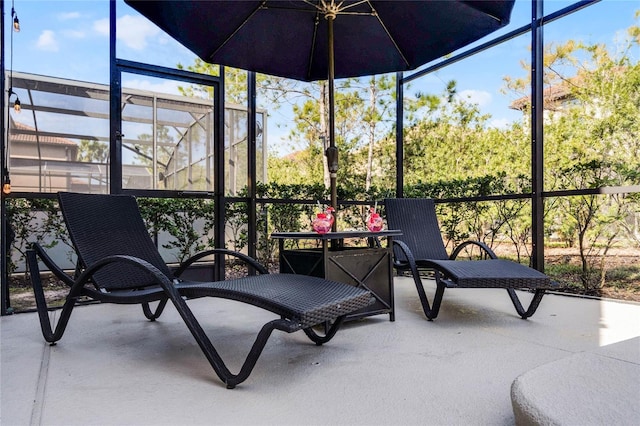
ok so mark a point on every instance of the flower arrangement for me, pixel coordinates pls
(374, 221)
(323, 221)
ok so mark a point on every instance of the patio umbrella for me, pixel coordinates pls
(295, 39)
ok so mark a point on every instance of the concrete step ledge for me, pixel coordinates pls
(600, 387)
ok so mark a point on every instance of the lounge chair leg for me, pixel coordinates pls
(48, 333)
(317, 338)
(533, 306)
(250, 362)
(437, 300)
(151, 315)
(430, 312)
(216, 362)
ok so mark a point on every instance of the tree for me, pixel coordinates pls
(591, 136)
(595, 116)
(235, 88)
(380, 103)
(452, 141)
(170, 156)
(93, 151)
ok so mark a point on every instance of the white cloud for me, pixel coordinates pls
(68, 15)
(479, 97)
(102, 26)
(47, 41)
(133, 31)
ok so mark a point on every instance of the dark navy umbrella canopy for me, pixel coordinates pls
(312, 40)
(289, 38)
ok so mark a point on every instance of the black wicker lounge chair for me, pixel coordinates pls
(421, 248)
(119, 263)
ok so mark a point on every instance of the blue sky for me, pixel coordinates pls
(69, 39)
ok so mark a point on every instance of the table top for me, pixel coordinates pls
(336, 235)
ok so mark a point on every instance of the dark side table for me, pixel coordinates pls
(369, 267)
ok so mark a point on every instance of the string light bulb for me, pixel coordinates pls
(6, 183)
(16, 21)
(17, 105)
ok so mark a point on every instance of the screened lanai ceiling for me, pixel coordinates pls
(60, 139)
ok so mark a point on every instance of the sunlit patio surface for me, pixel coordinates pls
(576, 361)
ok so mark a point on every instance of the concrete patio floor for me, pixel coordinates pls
(113, 367)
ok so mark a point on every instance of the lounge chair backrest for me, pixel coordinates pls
(106, 225)
(416, 218)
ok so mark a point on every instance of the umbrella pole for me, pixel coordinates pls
(332, 151)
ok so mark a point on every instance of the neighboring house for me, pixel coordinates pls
(555, 99)
(559, 97)
(38, 160)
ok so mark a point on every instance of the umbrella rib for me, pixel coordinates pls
(332, 8)
(262, 5)
(341, 10)
(386, 30)
(484, 12)
(313, 44)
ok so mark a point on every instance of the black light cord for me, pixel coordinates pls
(6, 179)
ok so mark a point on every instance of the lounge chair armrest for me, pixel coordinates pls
(246, 259)
(480, 244)
(39, 251)
(411, 260)
(52, 335)
(77, 285)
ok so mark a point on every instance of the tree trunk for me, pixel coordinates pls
(372, 131)
(324, 132)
